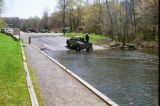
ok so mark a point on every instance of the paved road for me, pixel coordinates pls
(54, 43)
(58, 88)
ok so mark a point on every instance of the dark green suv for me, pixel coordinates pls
(79, 43)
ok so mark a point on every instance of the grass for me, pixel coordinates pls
(13, 87)
(93, 37)
(36, 87)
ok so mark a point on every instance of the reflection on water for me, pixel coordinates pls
(150, 51)
(129, 78)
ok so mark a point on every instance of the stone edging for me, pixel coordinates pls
(94, 90)
(32, 94)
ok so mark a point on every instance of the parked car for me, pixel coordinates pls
(7, 30)
(3, 30)
(42, 30)
(79, 43)
(32, 30)
(10, 31)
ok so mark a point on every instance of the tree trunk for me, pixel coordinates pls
(70, 19)
(111, 21)
(134, 16)
(64, 16)
(126, 25)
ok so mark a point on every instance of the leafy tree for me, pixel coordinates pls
(2, 23)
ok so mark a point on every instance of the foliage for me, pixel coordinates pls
(150, 44)
(2, 23)
(32, 22)
(124, 20)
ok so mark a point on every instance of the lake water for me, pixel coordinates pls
(129, 78)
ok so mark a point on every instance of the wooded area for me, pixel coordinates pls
(123, 20)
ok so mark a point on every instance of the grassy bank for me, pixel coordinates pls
(13, 87)
(93, 37)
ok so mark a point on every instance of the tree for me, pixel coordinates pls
(32, 22)
(111, 20)
(13, 22)
(2, 23)
(124, 20)
(44, 20)
(1, 6)
(63, 6)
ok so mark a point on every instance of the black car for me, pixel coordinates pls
(32, 30)
(79, 43)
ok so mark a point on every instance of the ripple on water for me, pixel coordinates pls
(129, 78)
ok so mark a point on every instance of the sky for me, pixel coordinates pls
(28, 8)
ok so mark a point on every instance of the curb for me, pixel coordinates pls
(32, 94)
(91, 88)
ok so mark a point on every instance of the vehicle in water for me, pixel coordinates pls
(79, 43)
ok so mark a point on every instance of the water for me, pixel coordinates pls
(150, 51)
(129, 78)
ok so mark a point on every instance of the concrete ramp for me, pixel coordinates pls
(58, 87)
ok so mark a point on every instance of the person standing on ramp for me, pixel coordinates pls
(87, 38)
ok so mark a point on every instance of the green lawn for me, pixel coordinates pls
(93, 37)
(13, 87)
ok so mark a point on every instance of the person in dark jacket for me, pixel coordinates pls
(87, 38)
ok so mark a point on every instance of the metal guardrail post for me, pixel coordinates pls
(19, 37)
(29, 40)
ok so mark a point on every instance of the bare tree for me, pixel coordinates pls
(111, 20)
(44, 20)
(1, 6)
(134, 15)
(124, 20)
(63, 6)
